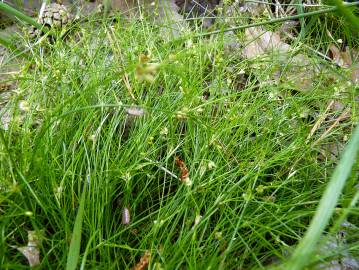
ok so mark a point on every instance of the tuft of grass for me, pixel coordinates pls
(327, 204)
(256, 177)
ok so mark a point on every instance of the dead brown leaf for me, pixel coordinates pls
(144, 261)
(260, 42)
(341, 58)
(299, 70)
(346, 59)
(31, 251)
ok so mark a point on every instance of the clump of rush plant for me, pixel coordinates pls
(98, 124)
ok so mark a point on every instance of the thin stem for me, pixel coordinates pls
(7, 151)
(7, 43)
(14, 12)
(347, 14)
(284, 5)
(287, 18)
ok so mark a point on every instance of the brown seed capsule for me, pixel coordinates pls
(126, 217)
(144, 261)
(184, 173)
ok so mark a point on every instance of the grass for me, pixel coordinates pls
(256, 178)
(328, 203)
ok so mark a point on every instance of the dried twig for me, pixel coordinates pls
(342, 117)
(320, 120)
(162, 168)
(128, 86)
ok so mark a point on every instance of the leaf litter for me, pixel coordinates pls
(298, 69)
(266, 49)
(346, 59)
(32, 250)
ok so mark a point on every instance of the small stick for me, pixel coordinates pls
(128, 86)
(42, 8)
(163, 168)
(343, 116)
(21, 16)
(320, 120)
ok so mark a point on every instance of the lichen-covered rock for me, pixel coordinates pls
(53, 16)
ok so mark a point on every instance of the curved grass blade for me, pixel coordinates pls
(21, 16)
(353, 20)
(7, 43)
(326, 206)
(74, 251)
(300, 10)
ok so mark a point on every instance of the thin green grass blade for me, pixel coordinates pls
(300, 10)
(347, 14)
(74, 251)
(82, 267)
(326, 206)
(15, 172)
(21, 16)
(7, 43)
